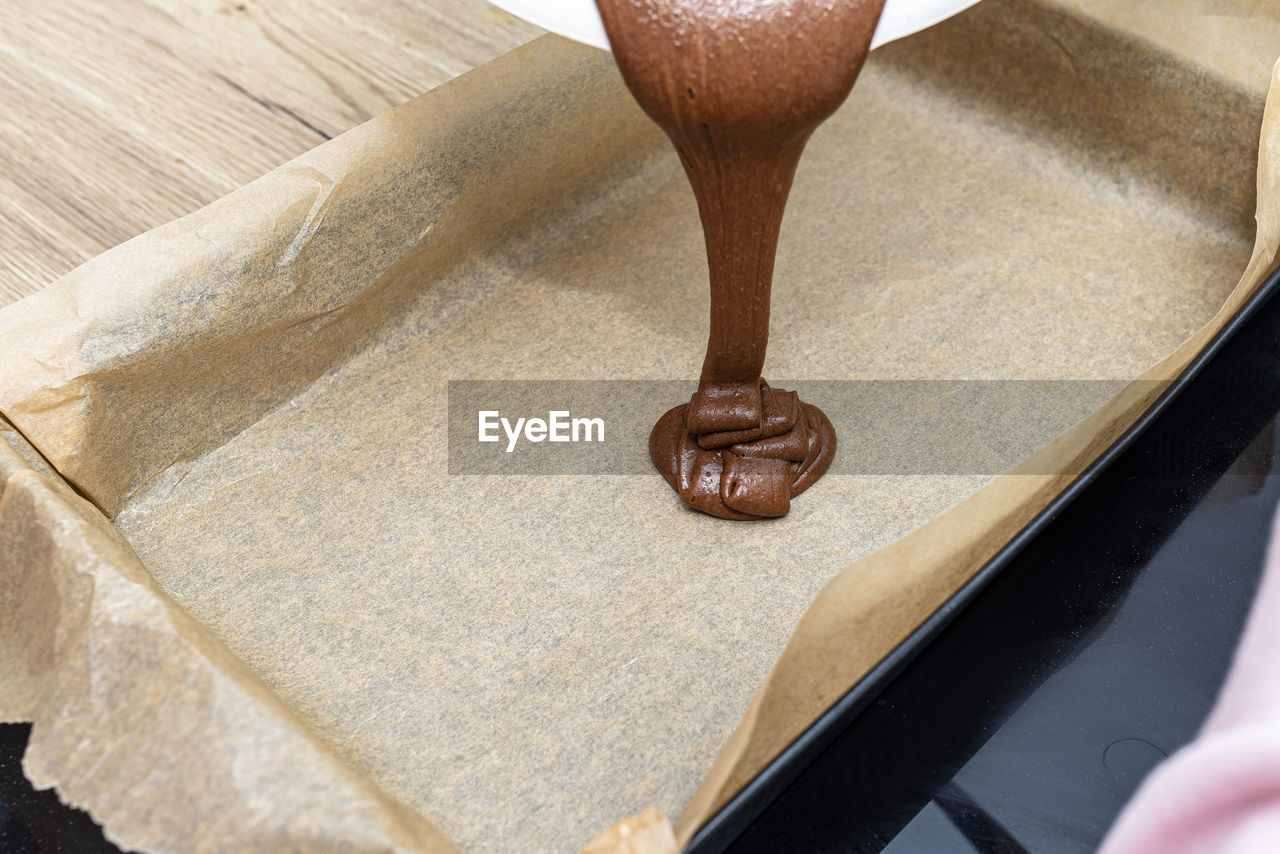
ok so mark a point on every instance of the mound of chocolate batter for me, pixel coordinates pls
(739, 86)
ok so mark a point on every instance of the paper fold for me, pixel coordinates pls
(79, 605)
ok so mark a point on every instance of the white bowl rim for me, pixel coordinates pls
(580, 19)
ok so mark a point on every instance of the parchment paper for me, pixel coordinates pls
(301, 632)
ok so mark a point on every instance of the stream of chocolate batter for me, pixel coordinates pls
(739, 86)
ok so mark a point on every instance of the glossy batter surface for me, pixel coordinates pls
(739, 86)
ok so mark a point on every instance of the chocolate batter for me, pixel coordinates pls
(738, 86)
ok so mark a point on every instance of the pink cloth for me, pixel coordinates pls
(1221, 793)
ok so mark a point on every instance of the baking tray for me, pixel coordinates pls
(1212, 435)
(253, 394)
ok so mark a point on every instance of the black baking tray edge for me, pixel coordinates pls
(723, 828)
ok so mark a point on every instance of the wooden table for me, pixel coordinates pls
(120, 115)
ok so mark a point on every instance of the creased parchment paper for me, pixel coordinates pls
(298, 631)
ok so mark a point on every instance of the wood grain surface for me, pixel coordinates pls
(120, 115)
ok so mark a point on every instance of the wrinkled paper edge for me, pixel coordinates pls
(73, 579)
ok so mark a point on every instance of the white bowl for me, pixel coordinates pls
(580, 19)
